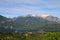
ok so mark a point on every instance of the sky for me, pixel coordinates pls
(14, 8)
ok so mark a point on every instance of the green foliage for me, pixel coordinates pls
(33, 36)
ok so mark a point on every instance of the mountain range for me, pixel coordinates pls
(30, 22)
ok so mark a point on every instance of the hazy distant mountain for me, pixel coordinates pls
(37, 22)
(5, 24)
(46, 17)
(5, 21)
(30, 22)
(2, 20)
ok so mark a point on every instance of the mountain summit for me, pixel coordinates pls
(46, 17)
(39, 15)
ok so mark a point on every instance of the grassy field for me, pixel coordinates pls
(30, 36)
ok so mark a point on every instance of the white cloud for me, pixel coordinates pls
(14, 10)
(47, 3)
(21, 7)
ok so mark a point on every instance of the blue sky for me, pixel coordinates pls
(14, 8)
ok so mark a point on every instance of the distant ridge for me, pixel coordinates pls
(29, 22)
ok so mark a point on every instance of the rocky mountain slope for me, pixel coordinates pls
(30, 22)
(37, 22)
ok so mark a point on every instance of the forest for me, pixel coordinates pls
(29, 36)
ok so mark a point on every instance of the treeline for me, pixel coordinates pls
(30, 36)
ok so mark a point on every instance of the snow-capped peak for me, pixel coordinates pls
(39, 15)
(43, 15)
